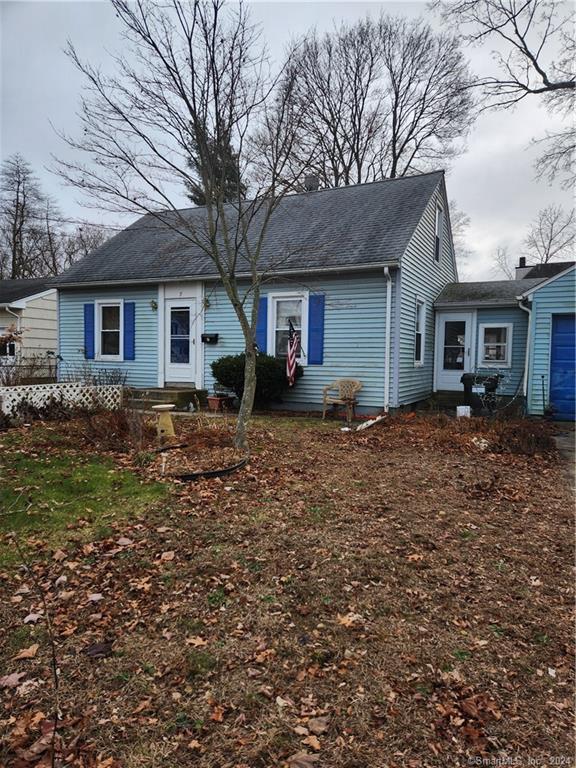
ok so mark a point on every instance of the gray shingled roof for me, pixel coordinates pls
(14, 290)
(349, 226)
(488, 292)
(544, 271)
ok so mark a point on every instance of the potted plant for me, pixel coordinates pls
(220, 400)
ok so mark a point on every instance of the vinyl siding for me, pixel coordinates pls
(39, 325)
(421, 277)
(143, 371)
(511, 384)
(555, 298)
(354, 335)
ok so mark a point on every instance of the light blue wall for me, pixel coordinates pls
(511, 384)
(421, 277)
(143, 371)
(354, 335)
(555, 298)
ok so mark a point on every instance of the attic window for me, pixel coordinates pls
(439, 231)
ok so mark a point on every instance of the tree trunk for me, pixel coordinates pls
(241, 436)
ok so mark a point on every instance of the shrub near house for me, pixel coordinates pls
(271, 380)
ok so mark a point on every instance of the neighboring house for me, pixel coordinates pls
(29, 307)
(521, 329)
(356, 269)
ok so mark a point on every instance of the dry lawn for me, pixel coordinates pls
(397, 597)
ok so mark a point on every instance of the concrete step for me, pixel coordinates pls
(146, 404)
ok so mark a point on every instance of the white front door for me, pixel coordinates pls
(180, 350)
(454, 354)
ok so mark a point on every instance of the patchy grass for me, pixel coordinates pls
(47, 489)
(399, 597)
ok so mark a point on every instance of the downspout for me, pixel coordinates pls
(388, 277)
(527, 355)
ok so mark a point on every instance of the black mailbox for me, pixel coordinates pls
(209, 338)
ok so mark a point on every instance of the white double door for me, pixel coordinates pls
(180, 340)
(454, 348)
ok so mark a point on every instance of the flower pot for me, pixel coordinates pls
(216, 402)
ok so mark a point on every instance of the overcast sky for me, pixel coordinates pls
(493, 181)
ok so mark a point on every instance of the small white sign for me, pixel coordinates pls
(479, 389)
(463, 411)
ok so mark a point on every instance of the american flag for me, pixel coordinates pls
(293, 344)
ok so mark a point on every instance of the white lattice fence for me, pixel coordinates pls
(69, 392)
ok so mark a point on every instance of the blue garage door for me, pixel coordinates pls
(563, 366)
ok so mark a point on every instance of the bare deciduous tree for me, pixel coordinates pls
(535, 56)
(552, 235)
(196, 81)
(20, 209)
(503, 265)
(459, 224)
(381, 98)
(35, 241)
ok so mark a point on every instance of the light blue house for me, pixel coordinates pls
(522, 329)
(366, 274)
(356, 269)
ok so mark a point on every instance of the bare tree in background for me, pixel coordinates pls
(35, 241)
(380, 99)
(552, 235)
(535, 57)
(21, 205)
(197, 81)
(460, 224)
(503, 263)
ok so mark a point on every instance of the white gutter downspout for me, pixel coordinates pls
(388, 277)
(14, 314)
(527, 355)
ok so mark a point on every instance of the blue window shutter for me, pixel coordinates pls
(316, 329)
(129, 330)
(89, 331)
(262, 325)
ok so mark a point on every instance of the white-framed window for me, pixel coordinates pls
(7, 348)
(419, 331)
(283, 308)
(438, 233)
(110, 330)
(495, 345)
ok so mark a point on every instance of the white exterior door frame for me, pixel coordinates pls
(455, 348)
(188, 297)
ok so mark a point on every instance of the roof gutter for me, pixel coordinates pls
(240, 276)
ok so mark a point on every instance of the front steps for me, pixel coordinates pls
(143, 399)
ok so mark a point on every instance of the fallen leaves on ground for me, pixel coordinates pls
(396, 597)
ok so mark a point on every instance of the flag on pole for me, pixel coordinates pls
(293, 345)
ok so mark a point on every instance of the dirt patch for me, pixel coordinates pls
(399, 597)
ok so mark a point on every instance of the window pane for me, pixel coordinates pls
(418, 348)
(454, 333)
(288, 309)
(179, 350)
(180, 321)
(110, 343)
(495, 352)
(111, 318)
(454, 338)
(495, 335)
